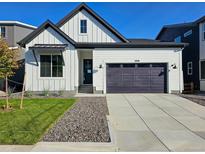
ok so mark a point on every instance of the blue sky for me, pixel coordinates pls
(133, 20)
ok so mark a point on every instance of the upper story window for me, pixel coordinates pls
(177, 39)
(51, 66)
(189, 32)
(83, 26)
(203, 32)
(189, 68)
(2, 32)
(202, 66)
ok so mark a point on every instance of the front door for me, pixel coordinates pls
(87, 71)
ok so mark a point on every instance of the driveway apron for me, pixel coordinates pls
(156, 122)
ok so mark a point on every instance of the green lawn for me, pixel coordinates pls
(28, 125)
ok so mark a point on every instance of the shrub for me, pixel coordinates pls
(10, 91)
(61, 92)
(28, 93)
(46, 92)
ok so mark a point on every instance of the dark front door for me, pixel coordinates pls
(87, 71)
(132, 78)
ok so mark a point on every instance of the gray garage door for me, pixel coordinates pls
(131, 78)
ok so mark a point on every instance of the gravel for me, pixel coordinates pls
(84, 122)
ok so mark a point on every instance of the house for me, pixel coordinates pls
(193, 55)
(12, 32)
(84, 51)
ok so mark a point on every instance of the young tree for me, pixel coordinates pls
(8, 64)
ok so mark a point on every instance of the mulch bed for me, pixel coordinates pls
(84, 122)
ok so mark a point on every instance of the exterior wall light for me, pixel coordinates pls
(174, 66)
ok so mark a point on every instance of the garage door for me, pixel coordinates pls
(131, 78)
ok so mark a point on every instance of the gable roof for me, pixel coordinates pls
(42, 27)
(93, 14)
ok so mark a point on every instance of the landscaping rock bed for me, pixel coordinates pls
(84, 122)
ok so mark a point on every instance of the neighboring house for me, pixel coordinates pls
(83, 50)
(12, 32)
(193, 56)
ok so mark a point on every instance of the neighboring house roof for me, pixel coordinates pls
(95, 15)
(188, 24)
(17, 23)
(140, 44)
(202, 19)
(44, 26)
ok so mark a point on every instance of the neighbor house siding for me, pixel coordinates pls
(20, 33)
(169, 56)
(96, 32)
(70, 70)
(190, 53)
(202, 53)
(9, 35)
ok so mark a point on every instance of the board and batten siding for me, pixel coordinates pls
(169, 56)
(70, 70)
(96, 32)
(201, 54)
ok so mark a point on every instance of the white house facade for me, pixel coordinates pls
(84, 50)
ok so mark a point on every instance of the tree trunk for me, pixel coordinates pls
(22, 93)
(7, 95)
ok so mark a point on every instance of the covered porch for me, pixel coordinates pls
(85, 57)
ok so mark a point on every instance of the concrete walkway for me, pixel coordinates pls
(156, 122)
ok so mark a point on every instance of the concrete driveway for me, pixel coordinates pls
(156, 122)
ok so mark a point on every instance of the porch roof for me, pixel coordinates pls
(49, 46)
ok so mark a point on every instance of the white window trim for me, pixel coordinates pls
(80, 27)
(200, 70)
(189, 32)
(189, 68)
(39, 69)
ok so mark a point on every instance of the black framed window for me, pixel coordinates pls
(203, 32)
(51, 66)
(203, 70)
(83, 26)
(45, 68)
(189, 68)
(2, 32)
(57, 66)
